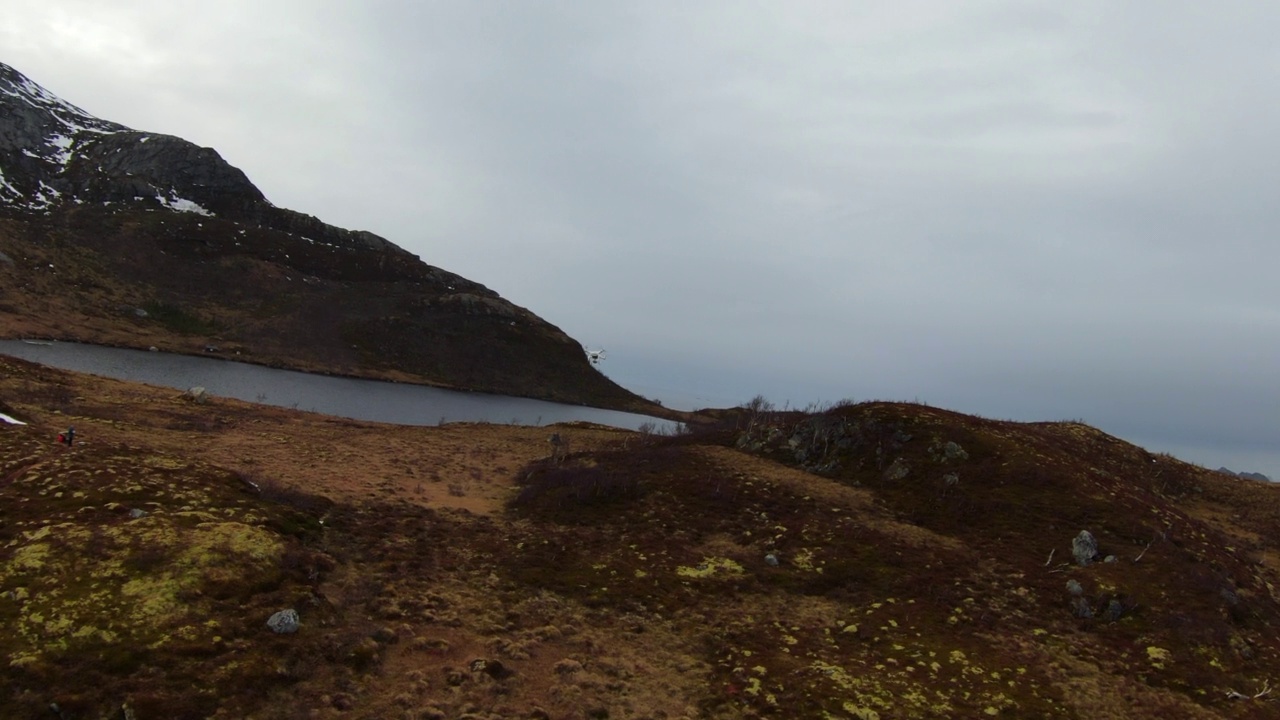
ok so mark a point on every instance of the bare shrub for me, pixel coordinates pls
(273, 490)
(555, 487)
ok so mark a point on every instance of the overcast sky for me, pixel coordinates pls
(1026, 210)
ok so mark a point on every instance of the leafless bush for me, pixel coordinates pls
(271, 489)
(575, 485)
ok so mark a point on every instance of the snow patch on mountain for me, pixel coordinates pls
(173, 202)
(6, 188)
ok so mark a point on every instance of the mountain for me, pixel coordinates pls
(116, 236)
(1247, 475)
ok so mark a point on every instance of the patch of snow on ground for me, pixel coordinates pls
(173, 202)
(11, 421)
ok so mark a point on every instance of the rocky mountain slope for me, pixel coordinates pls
(872, 561)
(117, 236)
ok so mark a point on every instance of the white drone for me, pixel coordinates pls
(595, 356)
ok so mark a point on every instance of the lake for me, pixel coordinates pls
(388, 402)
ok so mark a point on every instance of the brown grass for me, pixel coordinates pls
(626, 580)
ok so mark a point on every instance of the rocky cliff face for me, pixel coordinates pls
(100, 221)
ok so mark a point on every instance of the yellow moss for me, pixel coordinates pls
(18, 660)
(710, 567)
(29, 557)
(58, 625)
(1158, 656)
(154, 598)
(861, 713)
(88, 631)
(804, 560)
(165, 463)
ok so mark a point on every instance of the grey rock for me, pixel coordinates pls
(951, 479)
(953, 451)
(284, 622)
(897, 470)
(771, 560)
(1081, 608)
(1084, 548)
(1110, 559)
(1075, 588)
(197, 394)
(5, 259)
(949, 451)
(137, 513)
(1114, 610)
(139, 312)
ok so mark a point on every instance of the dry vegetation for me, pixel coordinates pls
(877, 560)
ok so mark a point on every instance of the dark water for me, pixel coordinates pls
(360, 399)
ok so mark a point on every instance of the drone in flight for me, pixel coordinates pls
(595, 356)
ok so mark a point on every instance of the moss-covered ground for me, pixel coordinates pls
(875, 561)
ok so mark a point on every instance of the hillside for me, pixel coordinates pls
(115, 236)
(878, 560)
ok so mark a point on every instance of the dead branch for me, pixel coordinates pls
(1144, 552)
(1050, 560)
(1265, 691)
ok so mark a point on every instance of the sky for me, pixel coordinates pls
(1017, 209)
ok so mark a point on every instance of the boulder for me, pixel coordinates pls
(1084, 548)
(898, 470)
(284, 622)
(947, 452)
